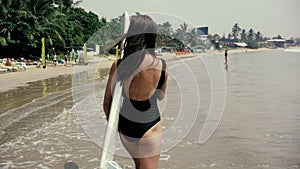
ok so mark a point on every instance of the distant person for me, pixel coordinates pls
(8, 62)
(71, 56)
(80, 57)
(38, 63)
(66, 60)
(226, 55)
(55, 59)
(76, 56)
(68, 55)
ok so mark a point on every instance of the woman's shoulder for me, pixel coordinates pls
(153, 59)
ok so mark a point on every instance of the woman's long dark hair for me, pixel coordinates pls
(140, 39)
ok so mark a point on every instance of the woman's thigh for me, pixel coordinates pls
(146, 151)
(147, 146)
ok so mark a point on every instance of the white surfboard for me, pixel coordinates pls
(112, 126)
(111, 130)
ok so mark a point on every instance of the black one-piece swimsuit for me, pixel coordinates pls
(137, 117)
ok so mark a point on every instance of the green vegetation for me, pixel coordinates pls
(252, 39)
(183, 37)
(23, 23)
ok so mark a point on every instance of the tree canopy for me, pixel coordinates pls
(23, 23)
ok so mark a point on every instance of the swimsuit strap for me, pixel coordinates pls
(162, 75)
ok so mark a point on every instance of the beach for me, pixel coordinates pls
(58, 116)
(17, 79)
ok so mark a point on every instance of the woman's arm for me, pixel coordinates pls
(164, 86)
(109, 88)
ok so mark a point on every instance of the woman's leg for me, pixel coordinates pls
(146, 151)
(147, 162)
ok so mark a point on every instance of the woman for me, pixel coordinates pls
(144, 79)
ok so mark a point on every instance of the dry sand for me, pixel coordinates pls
(13, 80)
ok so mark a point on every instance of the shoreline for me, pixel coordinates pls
(241, 50)
(14, 80)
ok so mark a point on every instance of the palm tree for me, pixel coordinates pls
(15, 29)
(103, 20)
(236, 31)
(109, 35)
(165, 32)
(5, 32)
(251, 42)
(258, 37)
(4, 36)
(229, 36)
(194, 38)
(167, 28)
(181, 34)
(243, 35)
(160, 36)
(4, 6)
(114, 28)
(251, 34)
(47, 20)
(278, 37)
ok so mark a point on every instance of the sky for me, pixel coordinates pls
(270, 17)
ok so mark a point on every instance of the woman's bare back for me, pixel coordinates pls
(144, 82)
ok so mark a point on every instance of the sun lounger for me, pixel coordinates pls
(3, 70)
